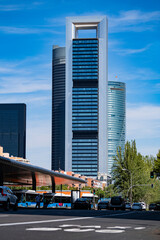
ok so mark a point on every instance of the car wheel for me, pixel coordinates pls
(7, 206)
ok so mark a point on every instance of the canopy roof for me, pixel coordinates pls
(14, 172)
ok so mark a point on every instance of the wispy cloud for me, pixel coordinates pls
(125, 52)
(26, 76)
(28, 30)
(19, 7)
(133, 73)
(134, 20)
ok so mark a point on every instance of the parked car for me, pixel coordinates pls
(154, 206)
(128, 206)
(117, 203)
(144, 207)
(7, 198)
(82, 203)
(103, 204)
(137, 206)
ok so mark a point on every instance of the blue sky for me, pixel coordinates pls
(28, 29)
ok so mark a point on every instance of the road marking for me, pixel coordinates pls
(79, 226)
(139, 228)
(59, 220)
(69, 225)
(44, 221)
(109, 231)
(78, 230)
(43, 229)
(90, 226)
(4, 215)
(120, 227)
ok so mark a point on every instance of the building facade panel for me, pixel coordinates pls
(13, 129)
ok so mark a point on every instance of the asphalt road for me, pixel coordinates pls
(59, 224)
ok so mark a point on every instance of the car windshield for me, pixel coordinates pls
(136, 204)
(81, 200)
(116, 200)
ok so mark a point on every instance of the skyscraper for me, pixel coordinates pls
(13, 129)
(86, 93)
(58, 108)
(86, 97)
(116, 119)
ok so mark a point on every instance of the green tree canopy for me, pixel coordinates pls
(131, 174)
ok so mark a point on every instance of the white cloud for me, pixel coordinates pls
(125, 52)
(24, 30)
(125, 74)
(39, 142)
(143, 122)
(18, 7)
(23, 85)
(143, 125)
(133, 20)
(26, 76)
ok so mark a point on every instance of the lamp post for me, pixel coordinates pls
(124, 169)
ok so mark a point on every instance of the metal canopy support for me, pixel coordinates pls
(33, 181)
(53, 185)
(1, 176)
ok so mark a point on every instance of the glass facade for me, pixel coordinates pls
(58, 108)
(85, 106)
(116, 119)
(13, 129)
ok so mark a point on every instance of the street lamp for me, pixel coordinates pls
(124, 169)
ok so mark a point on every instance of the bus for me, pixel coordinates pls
(27, 198)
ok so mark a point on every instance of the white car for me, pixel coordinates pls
(7, 198)
(144, 207)
(137, 206)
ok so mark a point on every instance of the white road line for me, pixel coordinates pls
(43, 229)
(109, 231)
(69, 225)
(44, 221)
(79, 226)
(78, 230)
(119, 227)
(139, 228)
(58, 220)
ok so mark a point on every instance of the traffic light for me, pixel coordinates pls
(151, 174)
(152, 185)
(92, 183)
(94, 191)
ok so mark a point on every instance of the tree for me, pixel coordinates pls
(157, 163)
(131, 173)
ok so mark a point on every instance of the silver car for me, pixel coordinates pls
(137, 206)
(7, 198)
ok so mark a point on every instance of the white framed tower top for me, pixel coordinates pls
(73, 24)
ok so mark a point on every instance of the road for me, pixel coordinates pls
(60, 224)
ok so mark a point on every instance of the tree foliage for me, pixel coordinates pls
(157, 163)
(131, 174)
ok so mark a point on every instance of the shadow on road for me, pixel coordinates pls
(148, 215)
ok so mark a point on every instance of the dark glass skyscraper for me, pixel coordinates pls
(85, 107)
(13, 129)
(58, 108)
